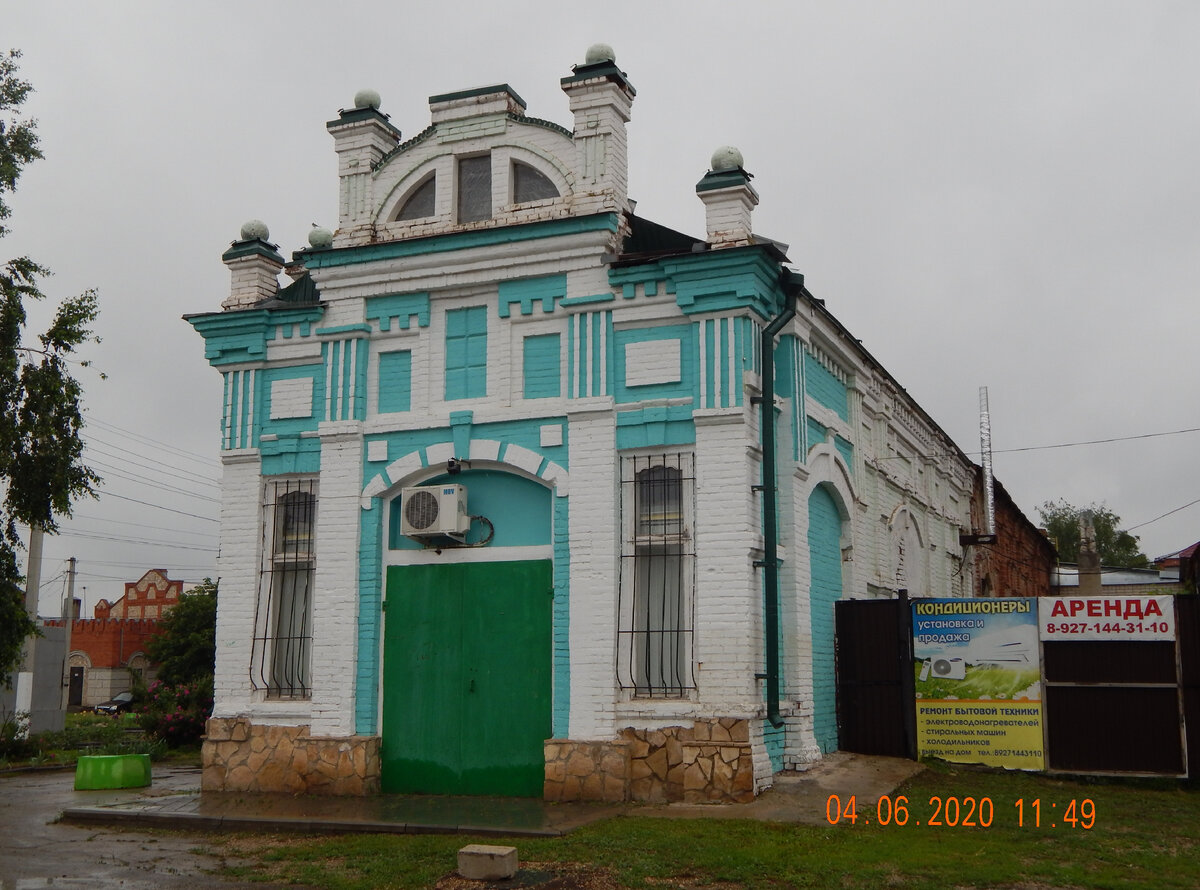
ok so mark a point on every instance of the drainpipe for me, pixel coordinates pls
(792, 283)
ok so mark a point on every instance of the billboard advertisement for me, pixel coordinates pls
(979, 681)
(1120, 618)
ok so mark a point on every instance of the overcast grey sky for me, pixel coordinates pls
(1003, 194)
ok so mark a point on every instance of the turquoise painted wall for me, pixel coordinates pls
(815, 431)
(561, 631)
(825, 561)
(370, 627)
(590, 354)
(825, 388)
(525, 292)
(656, 426)
(466, 353)
(846, 450)
(395, 381)
(773, 739)
(541, 366)
(315, 373)
(518, 508)
(400, 309)
(345, 363)
(688, 384)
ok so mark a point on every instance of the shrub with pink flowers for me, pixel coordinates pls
(176, 714)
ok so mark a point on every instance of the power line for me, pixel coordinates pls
(1094, 442)
(179, 473)
(147, 542)
(109, 494)
(133, 565)
(157, 528)
(1164, 516)
(116, 471)
(915, 455)
(199, 458)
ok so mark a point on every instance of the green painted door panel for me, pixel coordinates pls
(467, 673)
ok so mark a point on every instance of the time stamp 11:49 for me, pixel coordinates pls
(963, 812)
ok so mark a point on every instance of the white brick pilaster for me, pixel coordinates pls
(335, 585)
(241, 533)
(591, 517)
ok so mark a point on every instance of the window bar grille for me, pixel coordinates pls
(283, 608)
(655, 634)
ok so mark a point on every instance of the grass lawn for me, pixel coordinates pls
(1145, 835)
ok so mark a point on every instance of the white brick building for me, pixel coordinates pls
(491, 313)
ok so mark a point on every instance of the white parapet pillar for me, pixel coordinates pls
(254, 264)
(729, 200)
(601, 98)
(362, 135)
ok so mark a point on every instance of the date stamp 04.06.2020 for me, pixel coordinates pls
(963, 812)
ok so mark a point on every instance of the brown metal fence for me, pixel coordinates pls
(1107, 706)
(876, 707)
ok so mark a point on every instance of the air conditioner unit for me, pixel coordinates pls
(432, 510)
(950, 668)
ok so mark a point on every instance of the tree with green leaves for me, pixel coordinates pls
(1117, 548)
(185, 646)
(41, 451)
(176, 707)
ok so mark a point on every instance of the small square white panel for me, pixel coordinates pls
(291, 398)
(652, 362)
(551, 435)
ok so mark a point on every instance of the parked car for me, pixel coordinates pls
(122, 701)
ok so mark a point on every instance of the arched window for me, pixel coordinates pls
(421, 203)
(657, 576)
(530, 184)
(283, 622)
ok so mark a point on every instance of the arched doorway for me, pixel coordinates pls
(467, 656)
(825, 589)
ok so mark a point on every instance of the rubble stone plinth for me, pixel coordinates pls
(239, 755)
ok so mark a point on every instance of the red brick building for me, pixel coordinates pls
(107, 648)
(148, 597)
(1022, 560)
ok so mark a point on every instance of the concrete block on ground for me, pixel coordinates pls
(487, 862)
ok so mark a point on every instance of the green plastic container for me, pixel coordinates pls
(94, 772)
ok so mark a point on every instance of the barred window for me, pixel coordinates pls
(283, 613)
(654, 649)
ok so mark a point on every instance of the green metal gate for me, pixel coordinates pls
(467, 678)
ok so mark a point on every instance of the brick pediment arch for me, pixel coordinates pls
(421, 464)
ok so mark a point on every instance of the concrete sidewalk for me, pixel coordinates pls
(175, 802)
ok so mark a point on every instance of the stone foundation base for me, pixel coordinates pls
(586, 771)
(242, 756)
(710, 761)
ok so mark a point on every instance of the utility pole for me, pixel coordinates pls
(33, 580)
(68, 621)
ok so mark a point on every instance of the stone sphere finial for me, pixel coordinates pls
(726, 158)
(367, 99)
(255, 228)
(320, 238)
(599, 52)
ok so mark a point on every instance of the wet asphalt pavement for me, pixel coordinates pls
(36, 851)
(108, 845)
